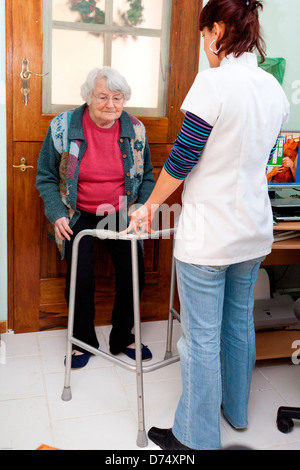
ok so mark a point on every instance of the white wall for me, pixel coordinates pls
(280, 25)
(3, 224)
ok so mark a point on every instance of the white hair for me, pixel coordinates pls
(115, 82)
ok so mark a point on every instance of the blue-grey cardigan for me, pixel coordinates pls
(62, 152)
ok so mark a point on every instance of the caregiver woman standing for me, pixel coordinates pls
(233, 114)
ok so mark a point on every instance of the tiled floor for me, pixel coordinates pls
(102, 413)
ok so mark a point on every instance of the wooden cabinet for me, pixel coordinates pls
(279, 343)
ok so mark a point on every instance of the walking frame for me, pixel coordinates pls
(139, 368)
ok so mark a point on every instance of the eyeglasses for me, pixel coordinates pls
(103, 99)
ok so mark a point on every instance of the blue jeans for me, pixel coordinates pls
(217, 349)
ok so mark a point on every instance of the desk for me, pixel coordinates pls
(278, 344)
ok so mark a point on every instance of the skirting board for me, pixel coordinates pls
(3, 326)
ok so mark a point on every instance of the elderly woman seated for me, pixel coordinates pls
(94, 163)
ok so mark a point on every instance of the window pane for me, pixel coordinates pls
(71, 63)
(130, 35)
(151, 13)
(74, 10)
(142, 74)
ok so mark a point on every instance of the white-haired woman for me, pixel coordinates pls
(94, 163)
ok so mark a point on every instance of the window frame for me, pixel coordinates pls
(108, 30)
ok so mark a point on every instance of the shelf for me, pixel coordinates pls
(279, 343)
(287, 226)
(275, 344)
(290, 244)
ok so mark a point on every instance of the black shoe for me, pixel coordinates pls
(165, 439)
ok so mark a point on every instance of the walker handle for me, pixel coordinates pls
(103, 234)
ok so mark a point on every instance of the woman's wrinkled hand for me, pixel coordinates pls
(140, 221)
(62, 228)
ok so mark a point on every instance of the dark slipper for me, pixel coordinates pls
(146, 353)
(79, 360)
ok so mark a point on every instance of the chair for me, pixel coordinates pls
(286, 414)
(139, 368)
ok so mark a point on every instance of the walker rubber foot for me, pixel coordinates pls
(142, 440)
(168, 355)
(66, 394)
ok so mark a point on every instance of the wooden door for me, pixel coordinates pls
(36, 275)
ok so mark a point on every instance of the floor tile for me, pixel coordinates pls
(160, 401)
(93, 391)
(262, 431)
(286, 381)
(24, 424)
(53, 351)
(25, 344)
(103, 431)
(21, 377)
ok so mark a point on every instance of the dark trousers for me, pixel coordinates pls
(122, 314)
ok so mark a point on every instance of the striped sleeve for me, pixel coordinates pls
(188, 146)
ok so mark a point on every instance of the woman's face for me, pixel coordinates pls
(209, 36)
(106, 106)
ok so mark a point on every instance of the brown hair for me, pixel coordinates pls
(242, 28)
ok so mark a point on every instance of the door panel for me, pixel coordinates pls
(36, 275)
(28, 123)
(27, 221)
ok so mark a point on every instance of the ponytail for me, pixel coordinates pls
(242, 27)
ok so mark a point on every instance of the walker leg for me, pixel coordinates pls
(142, 440)
(168, 354)
(66, 394)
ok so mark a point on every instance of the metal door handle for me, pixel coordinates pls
(25, 76)
(23, 165)
(25, 73)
